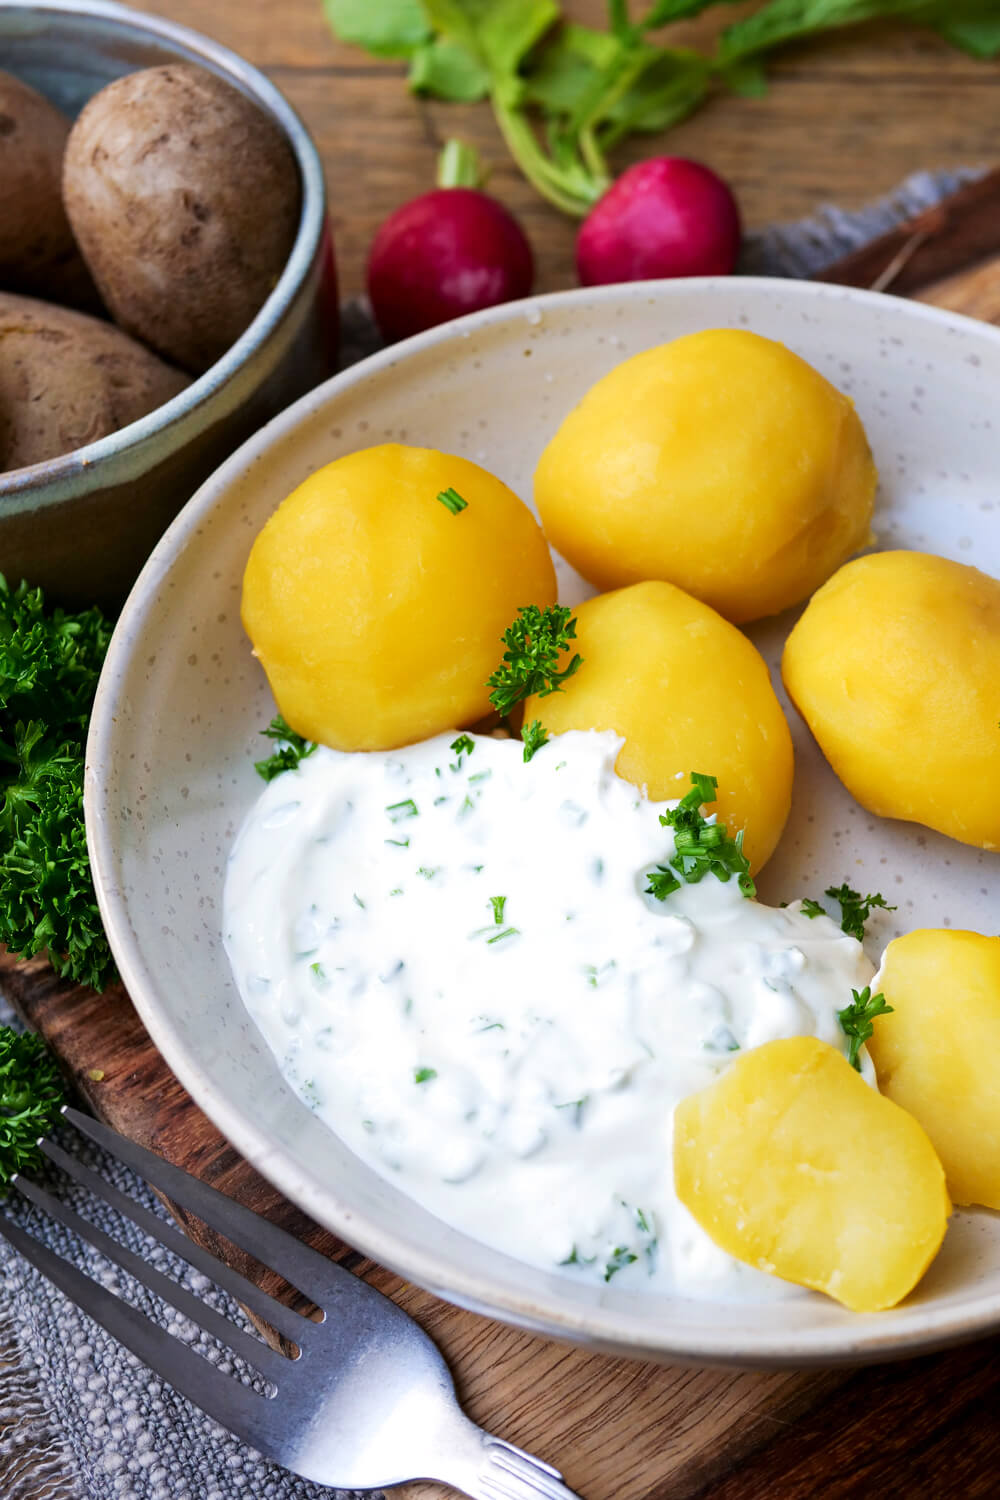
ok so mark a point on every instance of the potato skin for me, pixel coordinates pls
(375, 612)
(688, 692)
(67, 379)
(38, 255)
(792, 1163)
(720, 462)
(184, 198)
(936, 1053)
(895, 667)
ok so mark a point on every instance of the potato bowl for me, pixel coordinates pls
(181, 702)
(82, 524)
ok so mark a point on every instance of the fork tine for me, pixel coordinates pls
(305, 1268)
(283, 1318)
(254, 1350)
(236, 1406)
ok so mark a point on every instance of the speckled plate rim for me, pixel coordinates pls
(905, 1332)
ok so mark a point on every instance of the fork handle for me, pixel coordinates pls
(504, 1472)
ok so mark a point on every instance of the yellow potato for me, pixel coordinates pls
(790, 1162)
(376, 612)
(895, 667)
(688, 692)
(720, 462)
(936, 1054)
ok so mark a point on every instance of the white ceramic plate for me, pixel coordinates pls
(175, 733)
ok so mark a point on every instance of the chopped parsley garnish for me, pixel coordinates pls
(700, 848)
(856, 1020)
(534, 737)
(318, 970)
(292, 749)
(535, 642)
(811, 908)
(424, 1075)
(399, 810)
(498, 903)
(574, 1258)
(452, 500)
(464, 745)
(855, 909)
(428, 871)
(31, 1095)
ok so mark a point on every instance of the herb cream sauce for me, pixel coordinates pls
(451, 955)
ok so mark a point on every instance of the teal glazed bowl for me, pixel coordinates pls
(82, 525)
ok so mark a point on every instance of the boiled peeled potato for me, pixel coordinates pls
(688, 692)
(376, 608)
(721, 462)
(792, 1163)
(895, 667)
(936, 1054)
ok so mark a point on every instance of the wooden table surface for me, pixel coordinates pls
(846, 118)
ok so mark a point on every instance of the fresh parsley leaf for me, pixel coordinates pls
(292, 749)
(855, 909)
(856, 1020)
(49, 665)
(979, 37)
(452, 501)
(811, 908)
(535, 642)
(700, 848)
(534, 737)
(31, 1095)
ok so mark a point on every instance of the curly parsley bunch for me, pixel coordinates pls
(49, 665)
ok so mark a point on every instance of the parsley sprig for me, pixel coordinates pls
(856, 1020)
(700, 848)
(536, 643)
(31, 1095)
(49, 665)
(292, 749)
(855, 909)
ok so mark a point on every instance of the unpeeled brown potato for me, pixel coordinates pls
(184, 199)
(720, 462)
(936, 1053)
(38, 255)
(67, 379)
(895, 667)
(688, 692)
(376, 612)
(792, 1163)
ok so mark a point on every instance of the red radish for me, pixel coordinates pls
(663, 217)
(448, 252)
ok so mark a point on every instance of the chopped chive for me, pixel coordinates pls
(424, 1075)
(507, 932)
(398, 843)
(399, 810)
(498, 903)
(428, 871)
(619, 1259)
(452, 500)
(318, 970)
(358, 901)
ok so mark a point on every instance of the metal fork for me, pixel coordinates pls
(368, 1401)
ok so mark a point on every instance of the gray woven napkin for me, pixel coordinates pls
(81, 1419)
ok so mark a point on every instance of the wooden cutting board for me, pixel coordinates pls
(924, 1430)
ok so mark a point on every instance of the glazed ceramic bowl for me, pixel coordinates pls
(182, 702)
(82, 524)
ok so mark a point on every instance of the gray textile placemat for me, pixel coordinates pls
(81, 1419)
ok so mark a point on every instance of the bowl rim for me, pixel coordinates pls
(30, 481)
(598, 1328)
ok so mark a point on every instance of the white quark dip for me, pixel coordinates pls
(453, 961)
